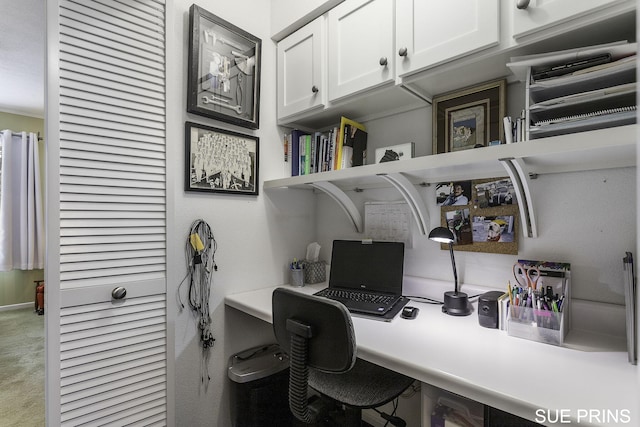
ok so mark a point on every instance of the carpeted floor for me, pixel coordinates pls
(21, 368)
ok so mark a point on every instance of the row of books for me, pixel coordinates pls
(341, 147)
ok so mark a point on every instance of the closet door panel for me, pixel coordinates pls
(106, 355)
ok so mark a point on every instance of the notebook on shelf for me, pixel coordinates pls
(366, 276)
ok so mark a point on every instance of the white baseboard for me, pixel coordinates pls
(17, 306)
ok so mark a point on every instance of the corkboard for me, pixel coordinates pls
(482, 210)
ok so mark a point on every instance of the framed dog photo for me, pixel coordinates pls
(469, 118)
(224, 70)
(220, 161)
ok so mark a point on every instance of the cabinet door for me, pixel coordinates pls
(301, 78)
(361, 45)
(430, 32)
(537, 15)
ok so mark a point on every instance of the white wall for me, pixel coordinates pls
(585, 218)
(255, 239)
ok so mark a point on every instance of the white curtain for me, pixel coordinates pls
(21, 205)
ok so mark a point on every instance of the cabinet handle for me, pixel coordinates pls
(522, 4)
(402, 51)
(118, 293)
(315, 89)
(383, 61)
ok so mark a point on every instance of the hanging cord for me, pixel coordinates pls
(200, 252)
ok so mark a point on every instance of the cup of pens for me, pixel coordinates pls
(296, 269)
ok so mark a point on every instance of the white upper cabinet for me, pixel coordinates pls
(288, 16)
(531, 16)
(361, 46)
(431, 32)
(301, 72)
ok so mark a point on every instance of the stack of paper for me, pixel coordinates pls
(579, 89)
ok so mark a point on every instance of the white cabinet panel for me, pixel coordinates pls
(431, 32)
(361, 46)
(301, 72)
(289, 15)
(541, 14)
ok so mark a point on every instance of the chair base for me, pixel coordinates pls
(337, 417)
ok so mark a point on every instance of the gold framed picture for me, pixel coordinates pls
(469, 118)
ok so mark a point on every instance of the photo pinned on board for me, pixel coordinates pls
(493, 229)
(495, 193)
(459, 222)
(453, 193)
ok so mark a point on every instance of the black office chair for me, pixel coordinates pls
(318, 335)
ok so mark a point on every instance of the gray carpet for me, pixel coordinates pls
(21, 368)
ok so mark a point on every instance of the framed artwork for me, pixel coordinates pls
(224, 70)
(469, 118)
(220, 161)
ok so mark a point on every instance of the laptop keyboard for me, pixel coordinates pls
(357, 296)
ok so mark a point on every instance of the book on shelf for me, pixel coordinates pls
(294, 146)
(339, 147)
(352, 144)
(305, 156)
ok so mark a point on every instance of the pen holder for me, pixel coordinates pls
(541, 318)
(315, 272)
(538, 325)
(297, 276)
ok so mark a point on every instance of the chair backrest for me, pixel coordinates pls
(331, 346)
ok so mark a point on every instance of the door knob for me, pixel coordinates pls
(314, 89)
(402, 51)
(118, 293)
(522, 4)
(383, 61)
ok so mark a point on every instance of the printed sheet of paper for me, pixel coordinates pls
(388, 221)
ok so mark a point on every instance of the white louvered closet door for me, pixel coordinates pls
(106, 356)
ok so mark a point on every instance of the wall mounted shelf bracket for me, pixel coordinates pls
(343, 200)
(520, 179)
(410, 194)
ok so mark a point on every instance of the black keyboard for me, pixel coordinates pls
(357, 296)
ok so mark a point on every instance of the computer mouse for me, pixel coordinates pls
(409, 312)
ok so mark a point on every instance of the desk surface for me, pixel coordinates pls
(487, 365)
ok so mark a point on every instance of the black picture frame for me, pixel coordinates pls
(220, 161)
(479, 108)
(224, 70)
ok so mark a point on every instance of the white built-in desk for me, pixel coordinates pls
(526, 378)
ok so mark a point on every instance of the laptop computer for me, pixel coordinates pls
(366, 276)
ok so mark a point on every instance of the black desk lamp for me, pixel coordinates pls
(455, 303)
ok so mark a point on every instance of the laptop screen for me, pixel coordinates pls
(372, 266)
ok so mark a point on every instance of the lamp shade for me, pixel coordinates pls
(442, 235)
